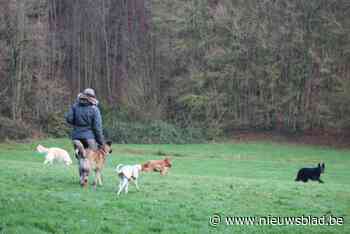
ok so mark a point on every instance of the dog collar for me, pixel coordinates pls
(103, 151)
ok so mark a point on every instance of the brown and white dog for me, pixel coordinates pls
(92, 159)
(126, 174)
(161, 166)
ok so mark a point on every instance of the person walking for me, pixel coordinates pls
(85, 118)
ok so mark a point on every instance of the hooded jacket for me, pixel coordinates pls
(86, 120)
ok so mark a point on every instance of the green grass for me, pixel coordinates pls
(240, 179)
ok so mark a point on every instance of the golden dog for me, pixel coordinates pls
(161, 166)
(92, 159)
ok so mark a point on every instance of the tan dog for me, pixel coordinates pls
(54, 154)
(161, 166)
(92, 159)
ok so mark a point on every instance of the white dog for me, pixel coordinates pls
(127, 173)
(54, 154)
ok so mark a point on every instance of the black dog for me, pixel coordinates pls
(305, 174)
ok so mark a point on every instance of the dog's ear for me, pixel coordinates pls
(323, 165)
(145, 167)
(167, 159)
(319, 165)
(109, 143)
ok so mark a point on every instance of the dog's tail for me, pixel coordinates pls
(117, 169)
(42, 149)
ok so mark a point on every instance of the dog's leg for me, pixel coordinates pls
(137, 186)
(127, 187)
(50, 157)
(98, 177)
(95, 179)
(84, 179)
(125, 184)
(122, 185)
(163, 171)
(320, 181)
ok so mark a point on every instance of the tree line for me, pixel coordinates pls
(219, 65)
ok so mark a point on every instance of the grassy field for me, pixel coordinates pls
(237, 179)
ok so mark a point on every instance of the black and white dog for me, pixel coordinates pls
(306, 174)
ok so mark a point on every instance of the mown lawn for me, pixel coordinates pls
(238, 179)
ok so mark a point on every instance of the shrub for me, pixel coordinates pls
(55, 125)
(13, 130)
(151, 132)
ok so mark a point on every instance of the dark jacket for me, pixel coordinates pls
(86, 120)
